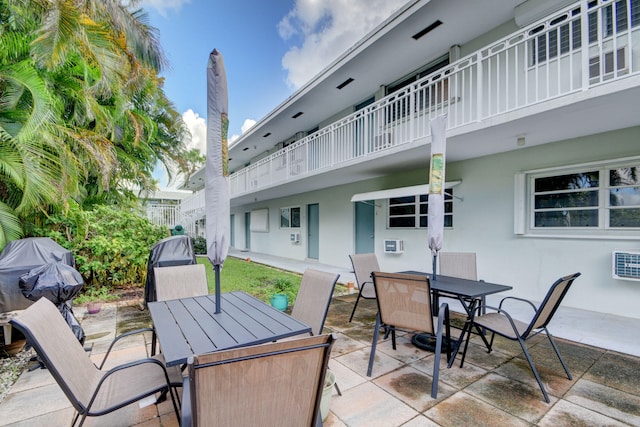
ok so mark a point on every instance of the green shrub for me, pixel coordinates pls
(199, 245)
(111, 245)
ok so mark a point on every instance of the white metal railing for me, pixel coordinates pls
(164, 215)
(543, 61)
(582, 46)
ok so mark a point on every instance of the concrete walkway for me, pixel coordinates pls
(491, 389)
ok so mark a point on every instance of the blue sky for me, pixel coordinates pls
(270, 49)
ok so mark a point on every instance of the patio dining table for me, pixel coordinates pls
(468, 292)
(189, 326)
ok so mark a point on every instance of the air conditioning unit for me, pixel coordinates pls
(294, 237)
(626, 265)
(393, 246)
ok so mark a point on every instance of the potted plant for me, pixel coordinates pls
(94, 297)
(282, 288)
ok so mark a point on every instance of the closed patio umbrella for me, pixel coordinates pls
(435, 227)
(217, 169)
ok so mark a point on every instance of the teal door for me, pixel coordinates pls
(365, 227)
(232, 231)
(247, 230)
(313, 231)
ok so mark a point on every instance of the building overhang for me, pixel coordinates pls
(411, 190)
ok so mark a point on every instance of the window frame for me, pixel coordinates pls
(420, 206)
(290, 217)
(603, 205)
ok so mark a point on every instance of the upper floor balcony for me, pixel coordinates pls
(573, 56)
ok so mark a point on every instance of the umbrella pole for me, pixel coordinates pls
(433, 267)
(216, 270)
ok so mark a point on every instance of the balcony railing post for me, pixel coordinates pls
(584, 35)
(479, 87)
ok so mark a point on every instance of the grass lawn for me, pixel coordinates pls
(256, 279)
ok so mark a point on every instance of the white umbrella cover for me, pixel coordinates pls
(217, 188)
(435, 226)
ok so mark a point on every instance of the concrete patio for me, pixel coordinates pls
(491, 389)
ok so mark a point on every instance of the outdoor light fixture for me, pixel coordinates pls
(266, 134)
(424, 32)
(245, 148)
(296, 115)
(344, 83)
(520, 141)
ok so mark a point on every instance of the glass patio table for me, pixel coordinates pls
(189, 326)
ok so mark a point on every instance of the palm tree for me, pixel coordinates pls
(80, 103)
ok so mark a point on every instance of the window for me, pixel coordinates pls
(561, 36)
(290, 217)
(412, 211)
(606, 197)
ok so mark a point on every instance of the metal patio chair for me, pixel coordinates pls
(180, 281)
(503, 324)
(313, 300)
(363, 266)
(459, 264)
(404, 303)
(275, 384)
(91, 391)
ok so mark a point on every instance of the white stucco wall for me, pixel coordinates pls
(483, 223)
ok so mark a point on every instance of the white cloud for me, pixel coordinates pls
(163, 5)
(248, 123)
(323, 30)
(198, 128)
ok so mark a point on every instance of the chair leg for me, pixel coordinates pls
(337, 389)
(555, 348)
(466, 344)
(533, 369)
(354, 307)
(373, 345)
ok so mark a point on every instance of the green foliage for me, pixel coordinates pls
(199, 245)
(256, 279)
(96, 294)
(111, 245)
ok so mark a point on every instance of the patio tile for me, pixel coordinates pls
(345, 377)
(454, 376)
(358, 361)
(618, 371)
(605, 400)
(477, 354)
(462, 409)
(405, 351)
(420, 421)
(514, 397)
(26, 404)
(369, 405)
(62, 417)
(413, 387)
(33, 379)
(555, 381)
(568, 414)
(345, 344)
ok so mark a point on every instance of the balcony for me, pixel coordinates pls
(543, 62)
(571, 56)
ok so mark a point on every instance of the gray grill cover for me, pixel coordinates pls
(174, 250)
(20, 257)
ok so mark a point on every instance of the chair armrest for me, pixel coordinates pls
(118, 338)
(518, 299)
(126, 366)
(505, 314)
(185, 409)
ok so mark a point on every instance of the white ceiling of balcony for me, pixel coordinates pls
(388, 53)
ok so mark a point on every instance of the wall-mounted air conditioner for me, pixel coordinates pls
(393, 246)
(294, 237)
(626, 265)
